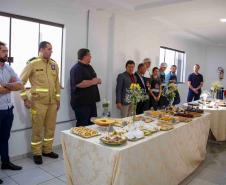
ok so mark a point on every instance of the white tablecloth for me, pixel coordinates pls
(218, 122)
(160, 159)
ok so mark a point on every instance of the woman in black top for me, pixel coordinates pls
(155, 89)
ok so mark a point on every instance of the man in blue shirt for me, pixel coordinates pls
(9, 81)
(195, 83)
(171, 77)
(84, 89)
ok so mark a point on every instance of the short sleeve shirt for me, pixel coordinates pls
(6, 75)
(195, 79)
(83, 96)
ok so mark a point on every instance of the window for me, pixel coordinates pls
(23, 35)
(174, 57)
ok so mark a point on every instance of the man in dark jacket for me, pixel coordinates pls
(142, 106)
(124, 81)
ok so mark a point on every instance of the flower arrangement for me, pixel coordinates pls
(215, 86)
(135, 95)
(169, 91)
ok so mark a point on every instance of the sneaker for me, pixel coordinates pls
(37, 159)
(10, 166)
(51, 155)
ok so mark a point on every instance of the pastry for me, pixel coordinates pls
(166, 127)
(84, 132)
(104, 121)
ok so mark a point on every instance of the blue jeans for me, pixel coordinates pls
(192, 96)
(6, 121)
(83, 113)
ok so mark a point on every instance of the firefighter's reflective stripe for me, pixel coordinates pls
(50, 139)
(41, 90)
(33, 112)
(36, 143)
(23, 94)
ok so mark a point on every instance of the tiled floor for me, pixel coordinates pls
(211, 172)
(50, 173)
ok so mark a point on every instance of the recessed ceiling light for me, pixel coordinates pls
(223, 20)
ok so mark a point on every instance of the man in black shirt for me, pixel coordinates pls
(84, 90)
(195, 83)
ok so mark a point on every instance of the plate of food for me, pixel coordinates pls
(147, 132)
(149, 128)
(195, 114)
(115, 138)
(193, 103)
(184, 114)
(135, 135)
(85, 132)
(103, 121)
(139, 118)
(222, 104)
(184, 119)
(166, 127)
(154, 114)
(148, 120)
(194, 109)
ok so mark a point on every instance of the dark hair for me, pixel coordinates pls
(174, 65)
(197, 65)
(140, 66)
(43, 45)
(2, 44)
(82, 52)
(154, 68)
(129, 62)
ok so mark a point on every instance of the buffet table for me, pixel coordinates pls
(162, 158)
(217, 122)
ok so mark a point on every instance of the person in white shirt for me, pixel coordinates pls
(147, 64)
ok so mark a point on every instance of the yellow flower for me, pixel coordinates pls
(134, 86)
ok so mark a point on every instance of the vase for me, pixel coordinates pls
(134, 108)
(214, 95)
(171, 102)
(106, 112)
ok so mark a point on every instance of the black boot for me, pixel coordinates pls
(51, 155)
(37, 159)
(1, 181)
(10, 166)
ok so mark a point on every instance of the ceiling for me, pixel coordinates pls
(191, 19)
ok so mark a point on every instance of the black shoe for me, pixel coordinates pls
(37, 159)
(51, 155)
(1, 181)
(10, 166)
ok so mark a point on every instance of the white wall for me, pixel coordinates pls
(135, 41)
(215, 57)
(74, 17)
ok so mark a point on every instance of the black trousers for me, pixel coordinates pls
(158, 104)
(142, 106)
(83, 113)
(6, 121)
(176, 98)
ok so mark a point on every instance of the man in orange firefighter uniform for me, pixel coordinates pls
(43, 100)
